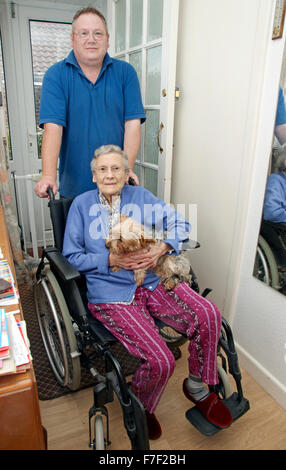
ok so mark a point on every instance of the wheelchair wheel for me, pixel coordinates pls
(172, 337)
(99, 433)
(265, 268)
(223, 388)
(57, 331)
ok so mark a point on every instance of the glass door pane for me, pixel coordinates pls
(151, 180)
(135, 59)
(50, 43)
(155, 19)
(151, 133)
(153, 83)
(136, 22)
(140, 38)
(120, 25)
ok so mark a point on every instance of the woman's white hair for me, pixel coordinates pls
(105, 150)
(278, 160)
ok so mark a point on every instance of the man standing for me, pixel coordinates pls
(89, 99)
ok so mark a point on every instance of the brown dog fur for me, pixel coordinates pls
(128, 236)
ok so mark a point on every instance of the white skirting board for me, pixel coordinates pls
(262, 376)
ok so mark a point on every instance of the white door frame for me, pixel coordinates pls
(168, 82)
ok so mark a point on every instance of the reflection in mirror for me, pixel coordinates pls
(270, 260)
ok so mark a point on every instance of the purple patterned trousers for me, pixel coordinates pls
(133, 325)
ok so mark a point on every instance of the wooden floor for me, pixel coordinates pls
(263, 427)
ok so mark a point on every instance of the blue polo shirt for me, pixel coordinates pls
(281, 111)
(91, 114)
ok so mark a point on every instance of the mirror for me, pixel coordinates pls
(270, 260)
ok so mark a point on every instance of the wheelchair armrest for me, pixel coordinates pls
(188, 245)
(274, 225)
(60, 264)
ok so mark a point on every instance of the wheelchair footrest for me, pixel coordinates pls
(237, 406)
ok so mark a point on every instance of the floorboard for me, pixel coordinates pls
(263, 427)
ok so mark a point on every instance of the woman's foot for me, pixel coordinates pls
(153, 425)
(211, 407)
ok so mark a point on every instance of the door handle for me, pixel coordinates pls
(159, 137)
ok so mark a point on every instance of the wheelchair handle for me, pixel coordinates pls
(131, 182)
(50, 193)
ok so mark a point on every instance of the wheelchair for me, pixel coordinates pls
(73, 338)
(270, 260)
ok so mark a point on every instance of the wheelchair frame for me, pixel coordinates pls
(73, 337)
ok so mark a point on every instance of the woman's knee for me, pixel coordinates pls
(164, 364)
(207, 312)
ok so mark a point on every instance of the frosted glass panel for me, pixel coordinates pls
(137, 171)
(136, 18)
(150, 180)
(153, 84)
(135, 59)
(155, 19)
(120, 25)
(56, 38)
(151, 132)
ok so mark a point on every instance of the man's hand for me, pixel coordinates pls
(134, 177)
(42, 186)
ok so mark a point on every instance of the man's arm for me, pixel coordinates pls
(132, 134)
(51, 145)
(280, 133)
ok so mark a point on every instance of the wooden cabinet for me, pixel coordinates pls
(20, 419)
(21, 426)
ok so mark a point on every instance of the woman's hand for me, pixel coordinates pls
(141, 259)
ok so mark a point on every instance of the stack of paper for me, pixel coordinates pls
(14, 345)
(4, 336)
(10, 296)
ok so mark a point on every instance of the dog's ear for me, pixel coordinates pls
(123, 217)
(142, 241)
(116, 247)
(131, 244)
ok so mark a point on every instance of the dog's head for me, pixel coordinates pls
(128, 235)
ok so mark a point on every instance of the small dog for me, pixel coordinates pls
(128, 236)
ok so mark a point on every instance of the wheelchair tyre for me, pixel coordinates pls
(99, 433)
(265, 268)
(57, 331)
(223, 388)
(172, 337)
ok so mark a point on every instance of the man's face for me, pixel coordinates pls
(90, 40)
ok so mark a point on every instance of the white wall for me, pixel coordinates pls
(221, 151)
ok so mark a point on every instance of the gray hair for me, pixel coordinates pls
(278, 160)
(105, 150)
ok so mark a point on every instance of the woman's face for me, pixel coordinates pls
(110, 175)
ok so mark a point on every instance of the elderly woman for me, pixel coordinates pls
(128, 311)
(274, 208)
